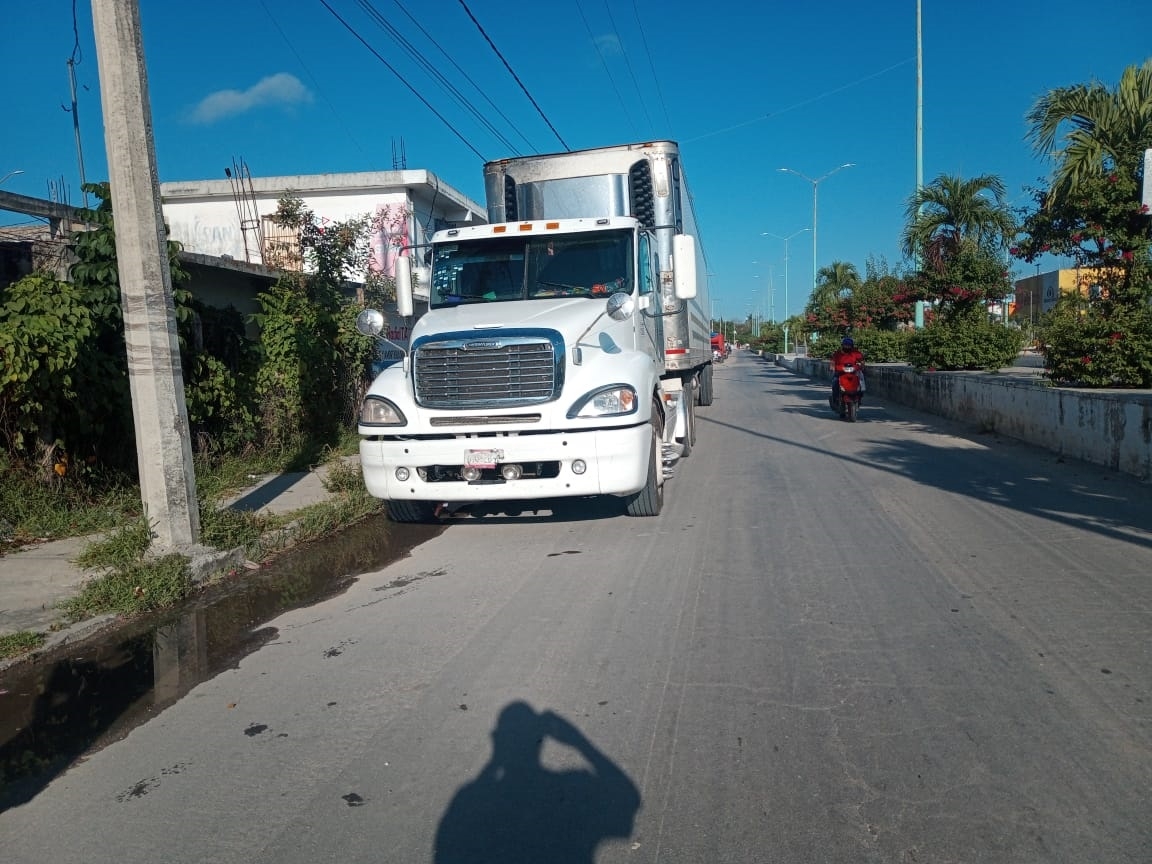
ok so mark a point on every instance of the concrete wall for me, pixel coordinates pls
(1112, 428)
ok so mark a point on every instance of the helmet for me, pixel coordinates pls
(847, 342)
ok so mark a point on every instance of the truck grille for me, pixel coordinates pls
(475, 372)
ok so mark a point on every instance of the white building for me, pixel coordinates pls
(231, 218)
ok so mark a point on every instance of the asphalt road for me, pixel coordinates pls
(890, 641)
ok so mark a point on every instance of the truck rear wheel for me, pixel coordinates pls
(410, 511)
(649, 501)
(706, 386)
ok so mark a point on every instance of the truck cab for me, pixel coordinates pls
(536, 372)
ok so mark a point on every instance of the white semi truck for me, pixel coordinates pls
(564, 347)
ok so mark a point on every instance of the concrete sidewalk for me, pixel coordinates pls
(35, 579)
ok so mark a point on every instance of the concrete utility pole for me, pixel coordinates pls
(160, 417)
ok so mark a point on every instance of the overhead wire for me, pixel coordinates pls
(464, 74)
(800, 104)
(515, 77)
(418, 57)
(604, 62)
(652, 67)
(403, 80)
(628, 65)
(312, 78)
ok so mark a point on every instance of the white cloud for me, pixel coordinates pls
(278, 89)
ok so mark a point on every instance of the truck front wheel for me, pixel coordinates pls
(410, 511)
(649, 501)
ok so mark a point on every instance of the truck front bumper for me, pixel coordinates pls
(615, 463)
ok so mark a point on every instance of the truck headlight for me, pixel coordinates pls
(612, 401)
(378, 411)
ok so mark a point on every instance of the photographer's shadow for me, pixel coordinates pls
(518, 811)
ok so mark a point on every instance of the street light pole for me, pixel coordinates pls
(10, 174)
(785, 239)
(815, 183)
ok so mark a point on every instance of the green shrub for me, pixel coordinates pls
(878, 346)
(968, 342)
(44, 324)
(1100, 346)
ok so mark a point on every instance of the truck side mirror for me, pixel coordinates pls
(404, 286)
(684, 266)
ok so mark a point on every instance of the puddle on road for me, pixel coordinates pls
(56, 710)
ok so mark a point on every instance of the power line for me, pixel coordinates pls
(800, 104)
(492, 44)
(464, 74)
(628, 64)
(402, 80)
(652, 66)
(446, 85)
(604, 62)
(315, 83)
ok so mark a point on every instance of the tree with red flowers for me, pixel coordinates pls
(958, 231)
(1091, 212)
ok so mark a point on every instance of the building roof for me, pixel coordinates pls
(424, 187)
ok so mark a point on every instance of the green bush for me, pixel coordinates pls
(964, 342)
(878, 346)
(1098, 346)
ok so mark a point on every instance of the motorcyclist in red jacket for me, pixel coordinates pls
(846, 355)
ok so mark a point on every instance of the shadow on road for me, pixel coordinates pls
(1081, 495)
(518, 811)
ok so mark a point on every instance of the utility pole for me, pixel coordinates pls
(160, 417)
(919, 309)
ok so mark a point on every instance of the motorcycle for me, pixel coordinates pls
(846, 401)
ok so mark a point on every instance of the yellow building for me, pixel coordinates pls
(1037, 294)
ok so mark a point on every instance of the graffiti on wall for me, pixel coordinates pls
(208, 238)
(389, 239)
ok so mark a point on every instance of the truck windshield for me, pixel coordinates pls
(487, 270)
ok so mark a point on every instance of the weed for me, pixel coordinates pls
(21, 642)
(225, 528)
(36, 507)
(141, 586)
(343, 477)
(121, 549)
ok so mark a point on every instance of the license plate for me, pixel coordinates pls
(483, 458)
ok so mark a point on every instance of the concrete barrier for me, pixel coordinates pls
(1112, 428)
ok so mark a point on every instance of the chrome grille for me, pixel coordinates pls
(503, 371)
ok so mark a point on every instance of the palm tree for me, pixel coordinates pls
(1110, 128)
(836, 280)
(951, 211)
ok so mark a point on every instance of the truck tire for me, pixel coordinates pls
(649, 501)
(706, 386)
(410, 511)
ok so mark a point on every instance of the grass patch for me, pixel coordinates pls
(224, 528)
(120, 549)
(21, 642)
(36, 508)
(132, 582)
(343, 477)
(141, 586)
(38, 505)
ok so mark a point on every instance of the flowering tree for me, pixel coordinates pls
(1101, 335)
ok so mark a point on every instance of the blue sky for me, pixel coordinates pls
(746, 88)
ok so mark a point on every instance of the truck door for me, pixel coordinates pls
(651, 321)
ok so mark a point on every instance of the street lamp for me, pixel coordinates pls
(10, 174)
(785, 239)
(815, 183)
